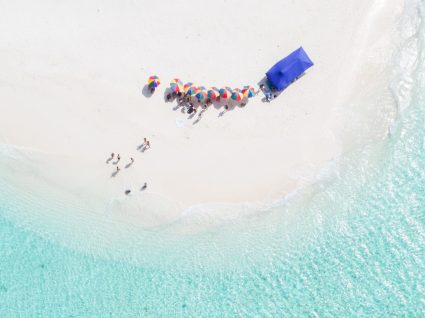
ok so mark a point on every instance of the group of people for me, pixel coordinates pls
(268, 93)
(186, 101)
(143, 147)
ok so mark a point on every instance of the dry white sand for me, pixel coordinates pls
(71, 84)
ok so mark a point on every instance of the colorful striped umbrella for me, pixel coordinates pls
(237, 95)
(176, 85)
(192, 90)
(213, 93)
(248, 91)
(154, 81)
(225, 93)
(202, 88)
(201, 95)
(187, 85)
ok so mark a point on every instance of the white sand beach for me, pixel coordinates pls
(71, 93)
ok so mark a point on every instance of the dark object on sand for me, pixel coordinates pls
(288, 69)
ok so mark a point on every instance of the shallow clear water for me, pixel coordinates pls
(352, 246)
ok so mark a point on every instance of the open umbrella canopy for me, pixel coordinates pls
(248, 91)
(202, 88)
(187, 85)
(225, 93)
(176, 85)
(237, 95)
(201, 95)
(154, 81)
(213, 93)
(192, 90)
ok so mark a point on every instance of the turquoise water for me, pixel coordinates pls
(353, 246)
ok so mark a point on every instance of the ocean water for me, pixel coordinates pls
(350, 245)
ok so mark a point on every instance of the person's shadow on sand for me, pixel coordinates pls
(113, 174)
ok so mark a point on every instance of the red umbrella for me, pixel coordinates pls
(225, 93)
(237, 95)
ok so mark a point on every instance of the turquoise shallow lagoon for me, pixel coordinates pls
(353, 246)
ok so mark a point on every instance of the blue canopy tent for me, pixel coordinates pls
(288, 69)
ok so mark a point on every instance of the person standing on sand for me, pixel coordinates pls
(145, 185)
(132, 160)
(118, 169)
(112, 155)
(118, 158)
(148, 144)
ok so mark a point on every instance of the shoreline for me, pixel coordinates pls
(219, 160)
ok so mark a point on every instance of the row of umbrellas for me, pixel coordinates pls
(201, 93)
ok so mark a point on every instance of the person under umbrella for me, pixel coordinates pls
(153, 83)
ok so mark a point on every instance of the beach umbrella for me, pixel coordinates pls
(213, 93)
(154, 81)
(176, 85)
(202, 88)
(192, 90)
(237, 95)
(225, 93)
(248, 91)
(201, 95)
(187, 85)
